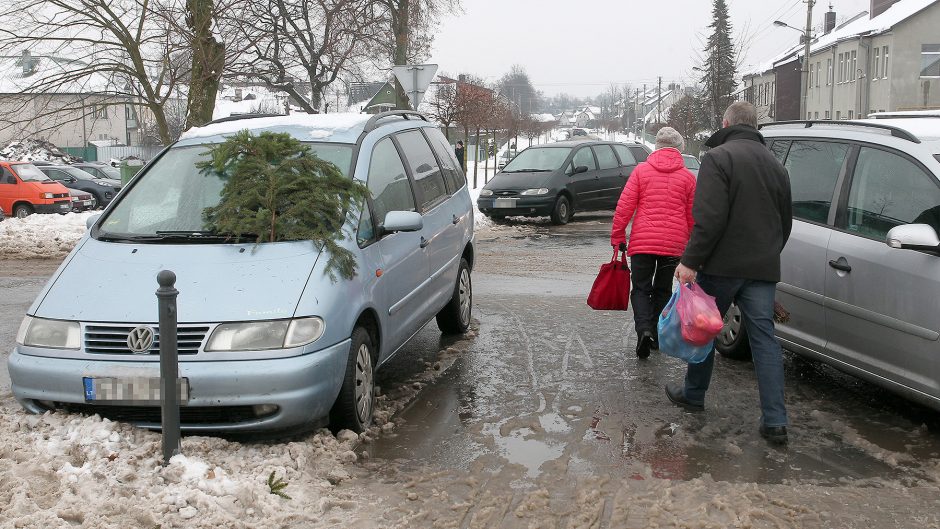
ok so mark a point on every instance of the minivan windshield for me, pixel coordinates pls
(171, 197)
(539, 159)
(28, 173)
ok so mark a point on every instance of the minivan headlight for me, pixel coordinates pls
(530, 192)
(263, 335)
(47, 195)
(486, 192)
(56, 334)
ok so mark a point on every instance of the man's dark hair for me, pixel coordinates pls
(741, 113)
(459, 142)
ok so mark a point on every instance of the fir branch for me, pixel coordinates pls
(277, 486)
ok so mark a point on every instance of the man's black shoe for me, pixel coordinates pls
(677, 396)
(774, 434)
(655, 345)
(644, 344)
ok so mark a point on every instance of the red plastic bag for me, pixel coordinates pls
(611, 290)
(698, 315)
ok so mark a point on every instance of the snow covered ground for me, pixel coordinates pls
(41, 236)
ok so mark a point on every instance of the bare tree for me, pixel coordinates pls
(301, 47)
(92, 52)
(444, 105)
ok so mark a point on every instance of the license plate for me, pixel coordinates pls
(64, 206)
(504, 203)
(87, 203)
(132, 390)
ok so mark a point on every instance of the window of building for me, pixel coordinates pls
(851, 114)
(811, 74)
(889, 190)
(841, 67)
(854, 66)
(875, 64)
(99, 111)
(930, 60)
(828, 116)
(884, 62)
(814, 167)
(773, 91)
(809, 116)
(838, 114)
(828, 72)
(818, 72)
(816, 116)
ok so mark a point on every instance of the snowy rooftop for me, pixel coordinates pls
(338, 127)
(858, 26)
(45, 73)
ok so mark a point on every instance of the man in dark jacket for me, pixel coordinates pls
(459, 153)
(742, 213)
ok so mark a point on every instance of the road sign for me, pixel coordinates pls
(415, 80)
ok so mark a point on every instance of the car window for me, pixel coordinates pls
(626, 157)
(690, 162)
(585, 158)
(449, 164)
(889, 190)
(427, 173)
(388, 183)
(6, 177)
(605, 157)
(814, 167)
(639, 153)
(779, 149)
(54, 174)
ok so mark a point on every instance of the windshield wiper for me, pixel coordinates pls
(197, 235)
(529, 171)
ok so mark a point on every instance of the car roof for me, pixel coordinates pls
(575, 142)
(917, 130)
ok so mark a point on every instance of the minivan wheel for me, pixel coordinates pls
(561, 213)
(356, 401)
(454, 318)
(21, 211)
(732, 341)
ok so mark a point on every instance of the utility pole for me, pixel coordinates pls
(659, 101)
(804, 75)
(643, 109)
(636, 112)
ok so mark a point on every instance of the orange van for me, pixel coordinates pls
(25, 190)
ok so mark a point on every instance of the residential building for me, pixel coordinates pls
(76, 113)
(885, 59)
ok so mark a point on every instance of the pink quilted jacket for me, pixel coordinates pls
(658, 197)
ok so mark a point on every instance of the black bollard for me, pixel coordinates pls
(169, 365)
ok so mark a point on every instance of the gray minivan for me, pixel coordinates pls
(266, 340)
(861, 271)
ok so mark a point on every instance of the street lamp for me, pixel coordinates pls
(782, 24)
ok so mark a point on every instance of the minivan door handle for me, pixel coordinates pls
(424, 242)
(457, 219)
(841, 264)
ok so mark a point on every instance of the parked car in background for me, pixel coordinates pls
(558, 179)
(25, 190)
(691, 163)
(102, 191)
(100, 170)
(2, 214)
(81, 200)
(267, 339)
(860, 274)
(578, 132)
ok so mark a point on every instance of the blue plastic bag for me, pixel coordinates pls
(670, 334)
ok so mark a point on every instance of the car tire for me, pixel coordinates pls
(94, 202)
(21, 211)
(732, 341)
(454, 318)
(355, 404)
(497, 218)
(561, 213)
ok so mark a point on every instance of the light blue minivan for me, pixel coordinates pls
(267, 341)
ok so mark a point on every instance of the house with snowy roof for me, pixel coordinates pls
(69, 114)
(885, 59)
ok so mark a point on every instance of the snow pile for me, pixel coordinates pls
(29, 150)
(42, 236)
(61, 470)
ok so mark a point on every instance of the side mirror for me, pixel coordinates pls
(90, 221)
(71, 180)
(914, 237)
(580, 169)
(402, 221)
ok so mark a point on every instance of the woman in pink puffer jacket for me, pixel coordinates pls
(658, 198)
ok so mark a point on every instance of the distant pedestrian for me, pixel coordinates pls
(742, 222)
(658, 198)
(458, 150)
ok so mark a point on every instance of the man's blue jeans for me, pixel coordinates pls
(755, 299)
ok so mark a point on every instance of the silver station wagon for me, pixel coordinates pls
(861, 271)
(267, 341)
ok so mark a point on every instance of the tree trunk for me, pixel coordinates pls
(163, 129)
(401, 31)
(208, 63)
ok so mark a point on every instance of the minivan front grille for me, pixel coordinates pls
(112, 339)
(507, 193)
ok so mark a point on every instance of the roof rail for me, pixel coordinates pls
(237, 117)
(373, 122)
(895, 131)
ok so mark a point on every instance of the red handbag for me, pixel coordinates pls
(611, 290)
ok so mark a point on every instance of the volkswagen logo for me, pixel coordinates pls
(140, 339)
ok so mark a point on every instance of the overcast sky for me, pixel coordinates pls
(581, 46)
